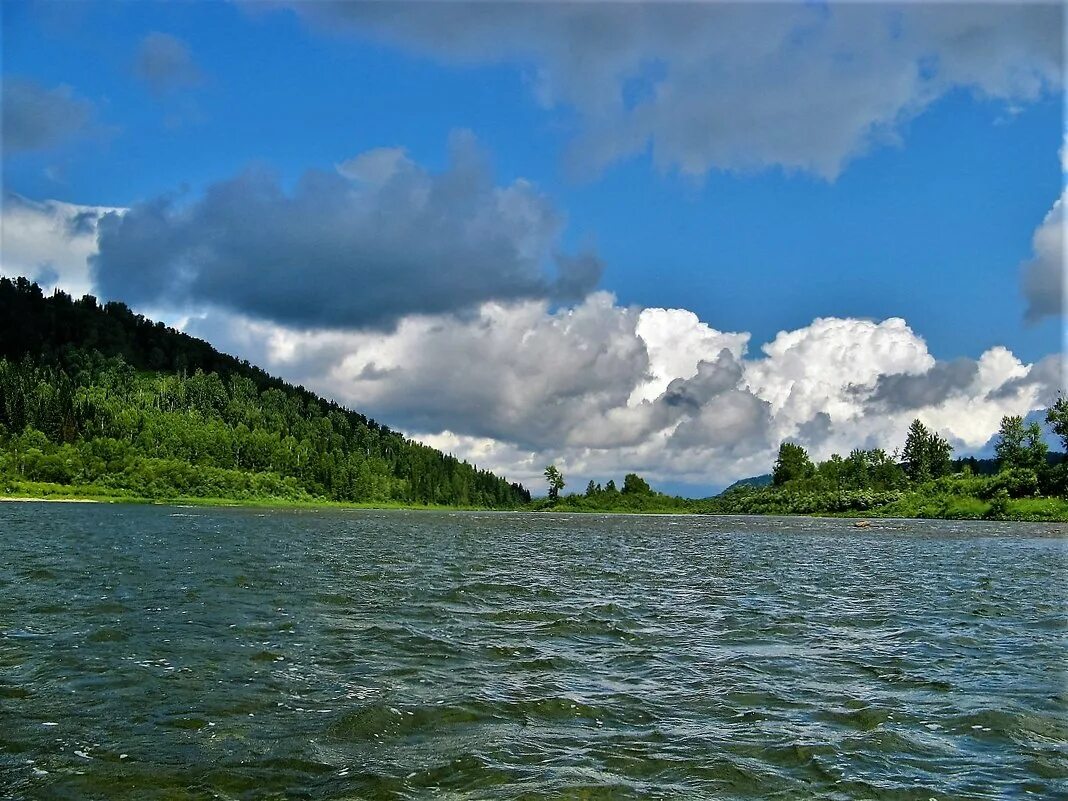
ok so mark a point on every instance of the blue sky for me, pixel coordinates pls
(928, 218)
(930, 229)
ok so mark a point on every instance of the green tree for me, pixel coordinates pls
(1057, 419)
(857, 469)
(939, 455)
(833, 472)
(1010, 448)
(556, 481)
(793, 463)
(591, 489)
(916, 455)
(926, 454)
(884, 470)
(633, 484)
(1035, 447)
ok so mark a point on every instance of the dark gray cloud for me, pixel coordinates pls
(359, 249)
(1042, 277)
(38, 118)
(805, 86)
(814, 432)
(1047, 375)
(736, 420)
(895, 392)
(84, 222)
(165, 64)
(372, 372)
(713, 377)
(47, 275)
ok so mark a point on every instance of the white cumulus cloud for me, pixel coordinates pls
(517, 385)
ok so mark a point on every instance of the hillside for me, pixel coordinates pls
(102, 401)
(753, 481)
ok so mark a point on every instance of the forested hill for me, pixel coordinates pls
(98, 398)
(763, 480)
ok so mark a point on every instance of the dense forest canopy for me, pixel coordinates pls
(101, 397)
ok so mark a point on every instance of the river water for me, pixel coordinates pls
(178, 653)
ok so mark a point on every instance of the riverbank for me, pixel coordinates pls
(58, 493)
(1036, 510)
(1028, 510)
(923, 503)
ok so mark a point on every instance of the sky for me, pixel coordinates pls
(654, 237)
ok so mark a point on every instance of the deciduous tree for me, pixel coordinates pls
(556, 481)
(793, 463)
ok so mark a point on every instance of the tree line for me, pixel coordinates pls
(922, 478)
(1020, 450)
(634, 494)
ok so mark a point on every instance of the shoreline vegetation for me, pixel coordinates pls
(59, 493)
(952, 497)
(1039, 510)
(1024, 482)
(100, 404)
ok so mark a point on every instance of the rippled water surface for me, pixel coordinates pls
(170, 653)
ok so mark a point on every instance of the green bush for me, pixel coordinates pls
(1018, 482)
(999, 505)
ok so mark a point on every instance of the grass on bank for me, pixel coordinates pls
(38, 490)
(956, 507)
(910, 505)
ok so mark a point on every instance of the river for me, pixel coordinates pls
(152, 652)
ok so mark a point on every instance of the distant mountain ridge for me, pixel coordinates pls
(753, 481)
